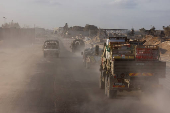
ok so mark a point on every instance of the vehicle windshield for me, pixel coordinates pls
(51, 45)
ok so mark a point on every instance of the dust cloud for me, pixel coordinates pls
(17, 58)
(18, 66)
(125, 102)
(155, 103)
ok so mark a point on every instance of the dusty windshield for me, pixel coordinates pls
(84, 56)
(51, 45)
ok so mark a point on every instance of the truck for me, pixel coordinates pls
(91, 56)
(77, 45)
(51, 47)
(129, 66)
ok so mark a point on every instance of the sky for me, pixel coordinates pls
(106, 14)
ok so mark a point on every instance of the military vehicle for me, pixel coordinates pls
(51, 47)
(77, 45)
(91, 56)
(129, 67)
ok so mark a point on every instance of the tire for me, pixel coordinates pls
(101, 83)
(110, 93)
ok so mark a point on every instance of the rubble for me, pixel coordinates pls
(164, 46)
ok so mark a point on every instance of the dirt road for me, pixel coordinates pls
(30, 83)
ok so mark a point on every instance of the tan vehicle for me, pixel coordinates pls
(51, 47)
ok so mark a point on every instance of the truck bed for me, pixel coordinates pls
(140, 68)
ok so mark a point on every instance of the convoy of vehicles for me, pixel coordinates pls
(129, 66)
(51, 47)
(124, 65)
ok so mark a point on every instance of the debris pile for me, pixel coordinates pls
(164, 46)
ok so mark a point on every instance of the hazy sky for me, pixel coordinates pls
(102, 13)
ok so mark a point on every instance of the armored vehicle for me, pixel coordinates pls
(77, 45)
(51, 47)
(92, 56)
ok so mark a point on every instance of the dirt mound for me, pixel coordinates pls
(164, 46)
(150, 40)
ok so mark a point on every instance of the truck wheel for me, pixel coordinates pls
(101, 83)
(110, 93)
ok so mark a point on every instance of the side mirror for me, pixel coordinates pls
(81, 53)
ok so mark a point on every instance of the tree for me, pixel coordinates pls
(70, 28)
(15, 25)
(132, 32)
(167, 30)
(152, 31)
(6, 25)
(10, 25)
(142, 31)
